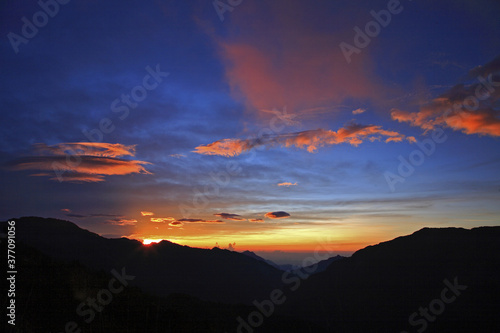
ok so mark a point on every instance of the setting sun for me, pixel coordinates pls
(151, 241)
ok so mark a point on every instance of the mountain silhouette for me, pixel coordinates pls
(434, 280)
(162, 268)
(382, 288)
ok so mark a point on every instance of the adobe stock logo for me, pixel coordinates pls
(372, 29)
(50, 8)
(437, 306)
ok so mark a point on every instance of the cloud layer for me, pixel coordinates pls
(227, 216)
(80, 161)
(469, 108)
(310, 140)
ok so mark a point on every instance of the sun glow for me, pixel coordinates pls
(151, 241)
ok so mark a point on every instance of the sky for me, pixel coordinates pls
(272, 126)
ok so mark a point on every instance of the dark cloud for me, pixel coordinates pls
(485, 70)
(227, 216)
(199, 221)
(122, 222)
(76, 215)
(277, 215)
(176, 224)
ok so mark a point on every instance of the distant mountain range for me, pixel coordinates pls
(320, 266)
(399, 285)
(435, 280)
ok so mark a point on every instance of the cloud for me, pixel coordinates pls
(287, 184)
(80, 162)
(76, 215)
(199, 221)
(122, 222)
(306, 70)
(227, 216)
(101, 149)
(177, 155)
(485, 70)
(358, 111)
(147, 213)
(66, 210)
(256, 220)
(176, 224)
(162, 219)
(310, 140)
(469, 108)
(277, 215)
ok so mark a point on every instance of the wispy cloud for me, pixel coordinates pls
(177, 155)
(162, 219)
(147, 213)
(358, 111)
(310, 140)
(287, 184)
(122, 222)
(80, 162)
(227, 216)
(256, 220)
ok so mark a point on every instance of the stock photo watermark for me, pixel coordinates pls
(222, 6)
(290, 279)
(427, 147)
(87, 309)
(417, 157)
(372, 29)
(201, 197)
(120, 106)
(436, 307)
(30, 28)
(11, 272)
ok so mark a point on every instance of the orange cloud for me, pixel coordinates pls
(102, 149)
(81, 166)
(162, 219)
(470, 108)
(310, 140)
(147, 213)
(256, 220)
(277, 215)
(358, 111)
(287, 184)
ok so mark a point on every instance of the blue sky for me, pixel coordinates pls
(262, 98)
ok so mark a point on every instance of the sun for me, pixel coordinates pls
(149, 241)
